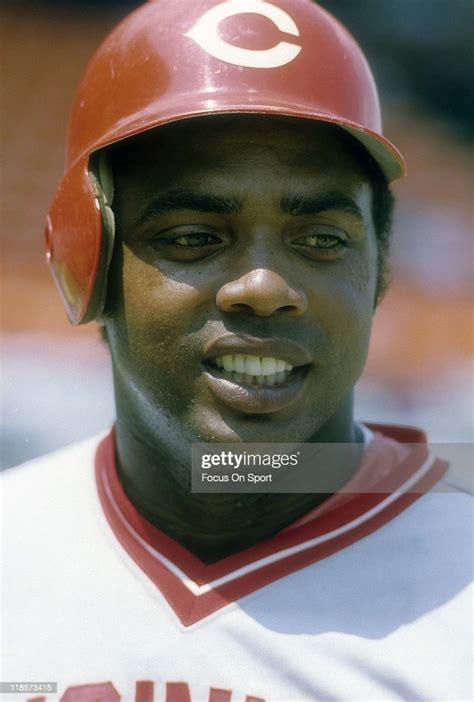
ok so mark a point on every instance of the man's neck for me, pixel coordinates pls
(213, 526)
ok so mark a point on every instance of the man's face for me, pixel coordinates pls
(240, 238)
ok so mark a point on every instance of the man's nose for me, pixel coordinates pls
(262, 292)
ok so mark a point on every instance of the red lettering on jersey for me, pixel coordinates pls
(102, 692)
(177, 692)
(216, 695)
(144, 691)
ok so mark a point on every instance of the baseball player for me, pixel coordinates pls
(225, 216)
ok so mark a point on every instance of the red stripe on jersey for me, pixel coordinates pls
(195, 590)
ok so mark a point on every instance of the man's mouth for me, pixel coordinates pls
(252, 370)
(256, 376)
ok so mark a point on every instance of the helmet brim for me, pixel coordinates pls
(386, 155)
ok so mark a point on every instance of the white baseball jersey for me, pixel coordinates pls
(367, 597)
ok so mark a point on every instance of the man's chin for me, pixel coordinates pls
(253, 429)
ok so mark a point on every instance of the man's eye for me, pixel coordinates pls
(322, 241)
(194, 239)
(186, 244)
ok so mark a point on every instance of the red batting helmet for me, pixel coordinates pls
(169, 61)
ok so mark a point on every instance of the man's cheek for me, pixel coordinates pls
(156, 306)
(343, 310)
(346, 322)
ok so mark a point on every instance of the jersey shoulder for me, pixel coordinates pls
(45, 485)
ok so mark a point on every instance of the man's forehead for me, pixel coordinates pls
(261, 131)
(241, 159)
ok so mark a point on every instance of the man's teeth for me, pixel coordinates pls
(256, 370)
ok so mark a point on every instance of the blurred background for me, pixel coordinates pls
(56, 382)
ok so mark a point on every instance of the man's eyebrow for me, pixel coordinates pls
(185, 199)
(320, 202)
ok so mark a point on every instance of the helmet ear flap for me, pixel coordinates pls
(80, 232)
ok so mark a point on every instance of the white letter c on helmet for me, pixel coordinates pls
(205, 33)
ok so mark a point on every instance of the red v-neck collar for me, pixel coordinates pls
(195, 590)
